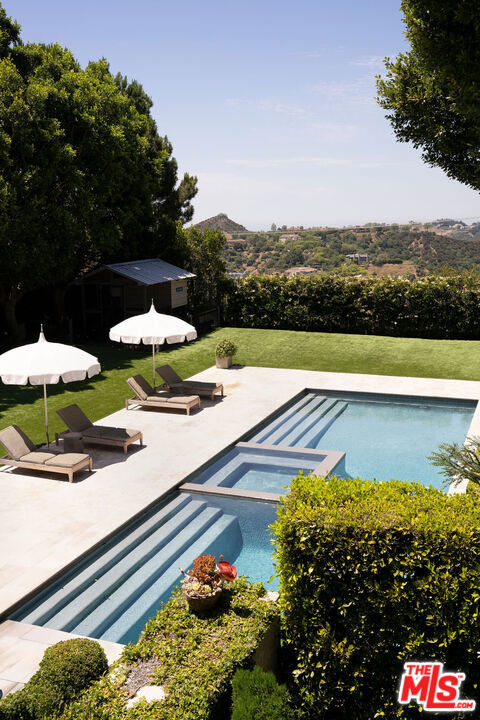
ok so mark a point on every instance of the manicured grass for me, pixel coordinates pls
(104, 394)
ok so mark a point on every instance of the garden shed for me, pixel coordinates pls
(111, 293)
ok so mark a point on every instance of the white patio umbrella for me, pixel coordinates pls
(153, 328)
(44, 363)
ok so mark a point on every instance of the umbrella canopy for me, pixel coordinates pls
(45, 363)
(153, 328)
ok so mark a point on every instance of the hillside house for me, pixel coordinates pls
(358, 257)
(290, 236)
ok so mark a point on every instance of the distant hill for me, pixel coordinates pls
(380, 250)
(221, 222)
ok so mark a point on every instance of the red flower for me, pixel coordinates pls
(226, 571)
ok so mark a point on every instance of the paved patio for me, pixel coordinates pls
(46, 522)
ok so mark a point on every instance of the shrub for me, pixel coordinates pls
(431, 307)
(225, 348)
(196, 657)
(258, 696)
(66, 669)
(458, 462)
(374, 575)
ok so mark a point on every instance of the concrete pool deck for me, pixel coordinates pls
(46, 522)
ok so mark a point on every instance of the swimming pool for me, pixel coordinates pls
(116, 588)
(383, 436)
(112, 592)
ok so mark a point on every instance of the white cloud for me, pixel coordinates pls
(358, 92)
(373, 61)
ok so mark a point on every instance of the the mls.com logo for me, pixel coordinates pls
(432, 688)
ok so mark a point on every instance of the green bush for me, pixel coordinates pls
(258, 696)
(374, 575)
(196, 656)
(431, 307)
(225, 348)
(66, 669)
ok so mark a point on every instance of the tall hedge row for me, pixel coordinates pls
(432, 307)
(374, 575)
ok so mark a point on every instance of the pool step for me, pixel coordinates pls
(224, 532)
(134, 585)
(311, 438)
(309, 410)
(265, 435)
(41, 609)
(156, 548)
(325, 410)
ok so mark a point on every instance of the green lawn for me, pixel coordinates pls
(106, 393)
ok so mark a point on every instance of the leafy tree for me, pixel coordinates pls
(84, 175)
(202, 255)
(432, 93)
(274, 227)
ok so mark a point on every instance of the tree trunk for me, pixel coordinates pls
(9, 296)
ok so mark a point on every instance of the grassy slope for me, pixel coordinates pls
(269, 348)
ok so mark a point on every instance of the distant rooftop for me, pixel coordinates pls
(150, 272)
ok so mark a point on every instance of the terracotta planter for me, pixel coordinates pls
(224, 363)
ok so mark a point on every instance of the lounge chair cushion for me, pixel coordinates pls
(172, 398)
(141, 386)
(16, 442)
(99, 431)
(168, 374)
(66, 460)
(74, 418)
(37, 457)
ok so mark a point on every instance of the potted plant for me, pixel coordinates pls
(203, 584)
(224, 352)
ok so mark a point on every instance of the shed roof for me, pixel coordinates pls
(150, 272)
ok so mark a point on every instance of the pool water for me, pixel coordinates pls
(112, 592)
(262, 469)
(384, 437)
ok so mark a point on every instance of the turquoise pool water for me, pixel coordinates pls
(114, 591)
(259, 468)
(384, 437)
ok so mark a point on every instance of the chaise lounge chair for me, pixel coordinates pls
(76, 421)
(175, 383)
(22, 453)
(146, 396)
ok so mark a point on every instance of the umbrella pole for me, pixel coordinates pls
(46, 413)
(153, 365)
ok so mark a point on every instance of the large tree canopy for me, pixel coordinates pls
(84, 174)
(432, 93)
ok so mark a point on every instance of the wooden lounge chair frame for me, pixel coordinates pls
(43, 467)
(76, 421)
(146, 396)
(174, 382)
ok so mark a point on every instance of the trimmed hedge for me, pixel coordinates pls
(65, 670)
(258, 696)
(196, 656)
(374, 575)
(431, 307)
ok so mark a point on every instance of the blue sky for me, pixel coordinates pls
(270, 103)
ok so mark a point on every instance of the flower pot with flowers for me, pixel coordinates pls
(203, 584)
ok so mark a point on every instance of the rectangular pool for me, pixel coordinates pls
(383, 436)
